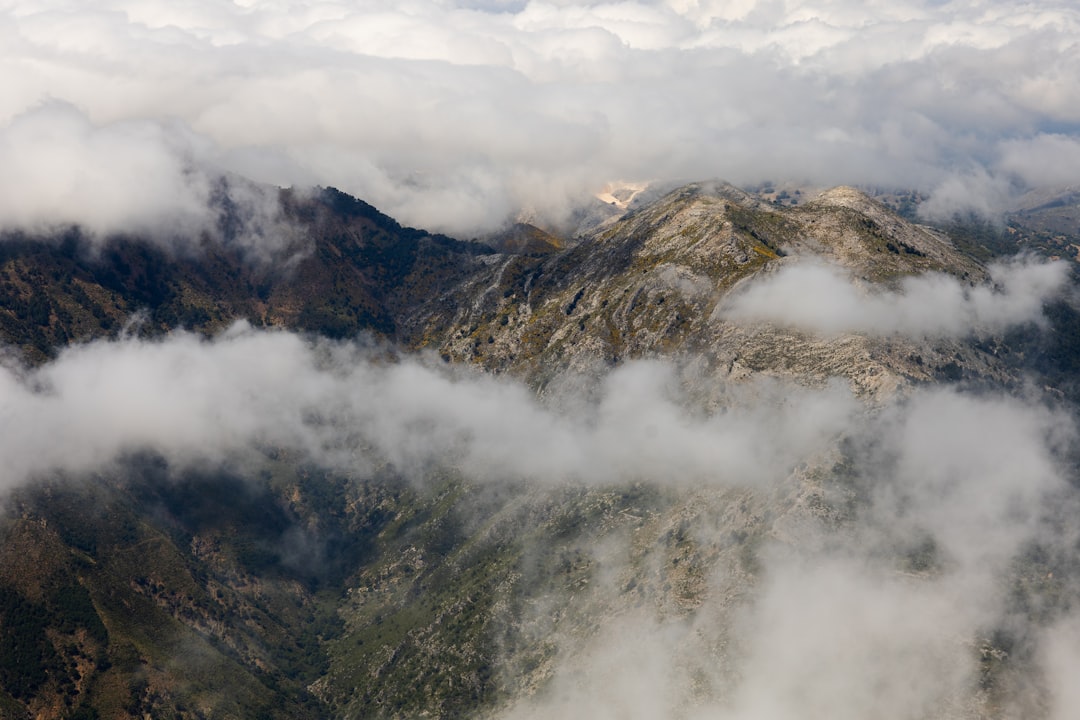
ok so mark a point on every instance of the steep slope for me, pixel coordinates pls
(535, 584)
(344, 268)
(1046, 220)
(279, 583)
(653, 284)
(135, 606)
(524, 239)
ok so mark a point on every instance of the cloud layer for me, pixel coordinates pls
(193, 400)
(454, 115)
(834, 627)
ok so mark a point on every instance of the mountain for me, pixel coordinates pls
(1046, 219)
(348, 267)
(650, 285)
(611, 528)
(525, 239)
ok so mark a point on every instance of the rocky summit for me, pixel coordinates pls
(714, 456)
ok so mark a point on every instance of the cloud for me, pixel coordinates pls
(123, 116)
(193, 400)
(455, 115)
(873, 598)
(820, 298)
(837, 640)
(976, 192)
(1048, 158)
(153, 179)
(135, 176)
(886, 608)
(1062, 661)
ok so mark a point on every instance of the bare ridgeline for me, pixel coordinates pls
(718, 456)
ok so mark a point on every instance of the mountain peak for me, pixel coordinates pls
(872, 241)
(848, 197)
(655, 281)
(525, 239)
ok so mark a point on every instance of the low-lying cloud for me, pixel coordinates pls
(820, 298)
(887, 609)
(840, 622)
(194, 400)
(135, 176)
(455, 115)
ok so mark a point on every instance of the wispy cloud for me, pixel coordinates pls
(193, 400)
(821, 298)
(149, 178)
(834, 622)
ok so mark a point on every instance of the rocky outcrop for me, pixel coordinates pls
(654, 284)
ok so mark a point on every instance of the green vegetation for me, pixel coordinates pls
(163, 593)
(26, 655)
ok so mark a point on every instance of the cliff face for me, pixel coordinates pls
(742, 460)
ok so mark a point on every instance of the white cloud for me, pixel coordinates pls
(190, 399)
(1062, 661)
(821, 298)
(121, 115)
(134, 176)
(836, 639)
(963, 193)
(833, 627)
(153, 179)
(547, 101)
(836, 624)
(1052, 159)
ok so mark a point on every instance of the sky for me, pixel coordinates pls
(457, 115)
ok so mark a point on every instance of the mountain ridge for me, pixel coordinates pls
(386, 587)
(654, 281)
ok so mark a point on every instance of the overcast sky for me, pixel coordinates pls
(454, 115)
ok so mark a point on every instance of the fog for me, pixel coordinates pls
(155, 180)
(456, 116)
(817, 297)
(134, 116)
(889, 613)
(194, 400)
(837, 621)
